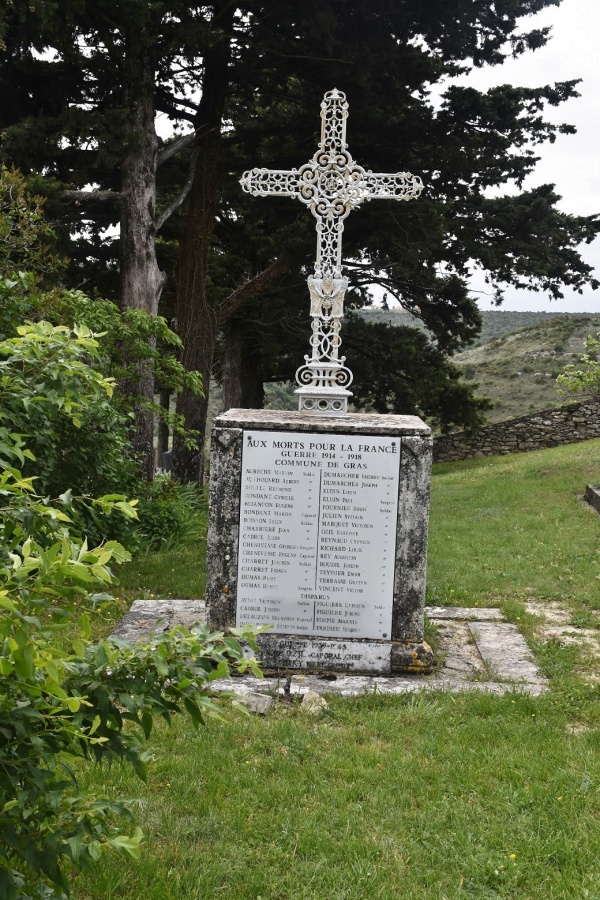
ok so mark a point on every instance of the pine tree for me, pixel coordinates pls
(86, 81)
(85, 113)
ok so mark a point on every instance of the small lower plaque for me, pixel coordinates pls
(296, 652)
(317, 533)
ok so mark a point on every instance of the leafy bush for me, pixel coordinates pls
(138, 347)
(170, 514)
(62, 696)
(77, 440)
(132, 339)
(17, 302)
(26, 237)
(26, 260)
(584, 376)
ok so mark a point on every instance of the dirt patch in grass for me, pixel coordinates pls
(556, 623)
(579, 728)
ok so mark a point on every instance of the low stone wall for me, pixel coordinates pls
(548, 428)
(592, 496)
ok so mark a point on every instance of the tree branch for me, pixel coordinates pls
(255, 285)
(176, 203)
(243, 37)
(172, 104)
(78, 197)
(180, 144)
(165, 102)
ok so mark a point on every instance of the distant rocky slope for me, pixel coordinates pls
(517, 357)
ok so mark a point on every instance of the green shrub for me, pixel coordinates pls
(469, 372)
(132, 341)
(26, 258)
(584, 377)
(62, 696)
(17, 302)
(170, 514)
(26, 237)
(76, 438)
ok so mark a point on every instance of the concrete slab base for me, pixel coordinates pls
(148, 617)
(479, 652)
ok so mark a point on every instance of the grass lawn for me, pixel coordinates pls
(516, 527)
(173, 573)
(437, 796)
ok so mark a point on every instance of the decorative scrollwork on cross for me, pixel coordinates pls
(331, 185)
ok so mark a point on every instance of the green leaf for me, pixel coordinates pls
(23, 662)
(9, 885)
(94, 726)
(118, 552)
(7, 603)
(5, 666)
(76, 846)
(95, 850)
(193, 711)
(104, 654)
(84, 626)
(128, 846)
(52, 687)
(52, 670)
(79, 649)
(147, 723)
(16, 560)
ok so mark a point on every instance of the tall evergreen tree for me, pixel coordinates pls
(260, 68)
(462, 145)
(86, 82)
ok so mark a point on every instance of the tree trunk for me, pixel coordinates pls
(141, 279)
(241, 378)
(188, 465)
(198, 321)
(231, 381)
(142, 439)
(163, 427)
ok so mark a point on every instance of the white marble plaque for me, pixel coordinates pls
(318, 533)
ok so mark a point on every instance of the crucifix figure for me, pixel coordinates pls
(331, 185)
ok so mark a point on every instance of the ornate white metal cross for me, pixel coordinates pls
(331, 185)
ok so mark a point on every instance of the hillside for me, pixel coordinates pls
(518, 371)
(517, 357)
(496, 323)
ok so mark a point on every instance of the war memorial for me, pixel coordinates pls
(318, 518)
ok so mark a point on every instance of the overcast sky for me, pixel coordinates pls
(571, 163)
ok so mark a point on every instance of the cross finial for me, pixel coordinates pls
(334, 113)
(331, 185)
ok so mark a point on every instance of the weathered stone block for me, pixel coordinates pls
(319, 526)
(592, 496)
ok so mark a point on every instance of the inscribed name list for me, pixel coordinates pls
(318, 533)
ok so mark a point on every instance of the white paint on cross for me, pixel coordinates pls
(331, 185)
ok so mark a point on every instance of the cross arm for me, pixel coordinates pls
(271, 182)
(399, 186)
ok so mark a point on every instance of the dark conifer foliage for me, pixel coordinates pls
(86, 81)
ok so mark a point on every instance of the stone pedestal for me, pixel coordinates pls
(318, 526)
